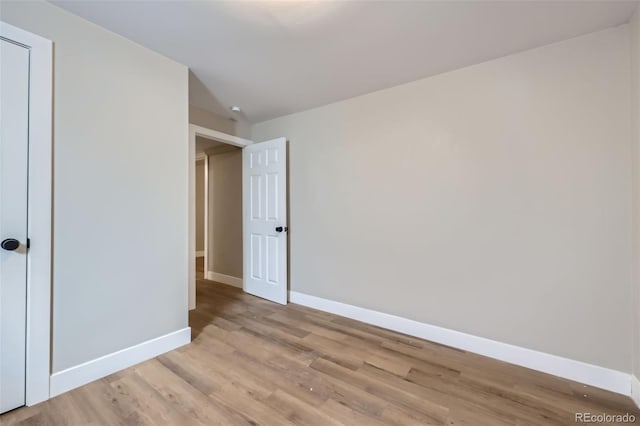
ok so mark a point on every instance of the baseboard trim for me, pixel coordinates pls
(224, 279)
(89, 371)
(635, 390)
(601, 377)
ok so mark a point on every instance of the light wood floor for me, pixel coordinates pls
(255, 362)
(199, 268)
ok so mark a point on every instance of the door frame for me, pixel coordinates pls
(206, 133)
(39, 212)
(205, 159)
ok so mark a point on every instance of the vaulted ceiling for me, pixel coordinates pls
(276, 58)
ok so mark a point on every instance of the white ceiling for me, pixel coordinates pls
(276, 58)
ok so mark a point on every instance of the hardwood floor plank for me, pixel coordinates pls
(253, 405)
(430, 411)
(342, 412)
(133, 398)
(298, 411)
(179, 394)
(340, 392)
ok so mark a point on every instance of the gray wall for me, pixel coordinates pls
(120, 230)
(200, 205)
(225, 213)
(494, 200)
(635, 114)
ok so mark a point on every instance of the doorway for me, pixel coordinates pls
(247, 215)
(218, 212)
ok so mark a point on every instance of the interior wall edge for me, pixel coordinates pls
(635, 389)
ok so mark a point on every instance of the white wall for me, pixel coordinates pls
(120, 187)
(635, 134)
(493, 200)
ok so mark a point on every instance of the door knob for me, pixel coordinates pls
(10, 244)
(280, 229)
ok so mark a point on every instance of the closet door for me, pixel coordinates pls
(14, 142)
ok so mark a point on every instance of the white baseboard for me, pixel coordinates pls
(200, 253)
(635, 389)
(89, 371)
(601, 377)
(224, 279)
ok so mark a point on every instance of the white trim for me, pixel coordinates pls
(605, 378)
(201, 156)
(191, 237)
(206, 212)
(203, 132)
(224, 279)
(39, 212)
(219, 136)
(87, 372)
(635, 390)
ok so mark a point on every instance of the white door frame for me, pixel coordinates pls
(205, 159)
(38, 348)
(203, 132)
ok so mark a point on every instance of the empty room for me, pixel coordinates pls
(319, 212)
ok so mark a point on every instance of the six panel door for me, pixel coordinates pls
(264, 180)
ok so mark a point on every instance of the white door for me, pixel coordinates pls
(14, 126)
(264, 183)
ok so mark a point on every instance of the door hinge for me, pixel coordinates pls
(28, 242)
